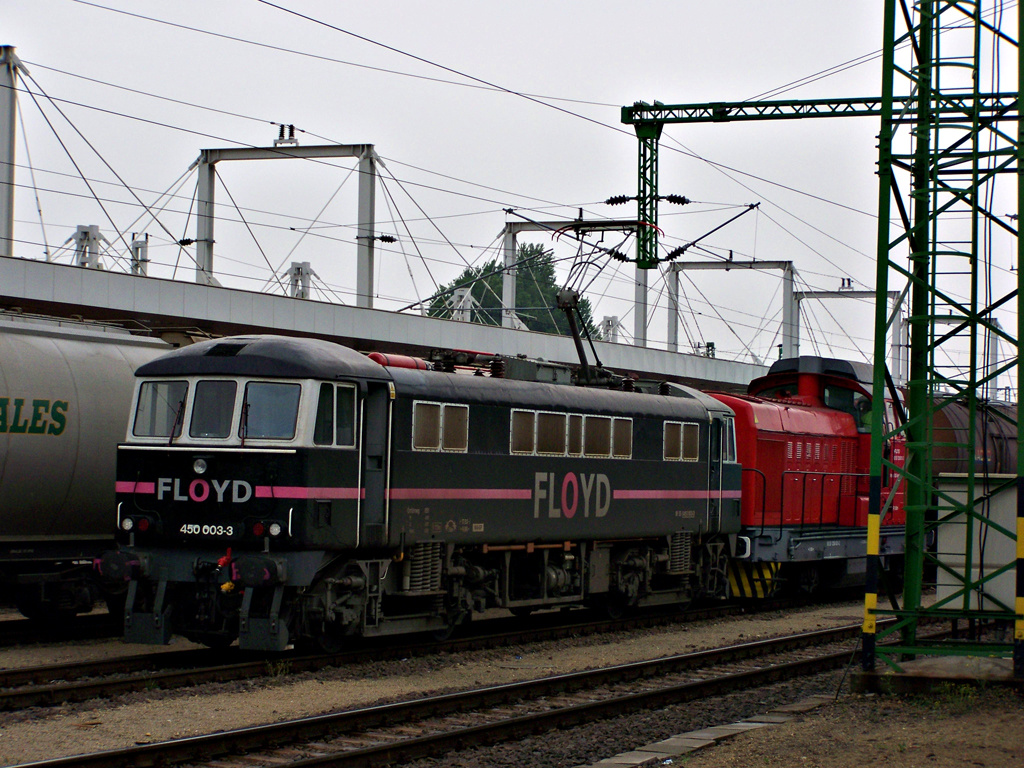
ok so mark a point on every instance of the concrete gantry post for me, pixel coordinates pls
(365, 227)
(572, 228)
(205, 203)
(790, 311)
(9, 68)
(898, 333)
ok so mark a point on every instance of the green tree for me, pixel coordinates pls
(536, 292)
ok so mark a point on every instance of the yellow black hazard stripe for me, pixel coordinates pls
(753, 580)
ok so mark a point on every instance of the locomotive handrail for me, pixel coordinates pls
(764, 493)
(804, 474)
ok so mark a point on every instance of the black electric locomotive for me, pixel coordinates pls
(283, 490)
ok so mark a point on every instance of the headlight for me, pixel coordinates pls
(127, 524)
(275, 529)
(199, 466)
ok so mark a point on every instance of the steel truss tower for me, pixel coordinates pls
(941, 177)
(948, 152)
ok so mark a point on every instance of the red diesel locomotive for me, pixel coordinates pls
(804, 440)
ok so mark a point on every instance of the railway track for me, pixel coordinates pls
(408, 730)
(91, 626)
(55, 684)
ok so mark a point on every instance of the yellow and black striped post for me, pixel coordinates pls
(1018, 624)
(869, 627)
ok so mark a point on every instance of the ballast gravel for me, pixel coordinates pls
(44, 733)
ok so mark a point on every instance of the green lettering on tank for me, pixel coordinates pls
(19, 424)
(39, 409)
(43, 417)
(59, 415)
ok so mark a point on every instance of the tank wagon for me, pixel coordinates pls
(65, 389)
(282, 490)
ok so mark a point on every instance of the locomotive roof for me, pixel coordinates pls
(265, 355)
(846, 369)
(293, 357)
(430, 385)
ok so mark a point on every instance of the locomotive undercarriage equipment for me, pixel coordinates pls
(412, 592)
(537, 576)
(207, 615)
(147, 613)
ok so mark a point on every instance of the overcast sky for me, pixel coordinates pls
(149, 84)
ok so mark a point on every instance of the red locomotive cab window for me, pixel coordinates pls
(862, 412)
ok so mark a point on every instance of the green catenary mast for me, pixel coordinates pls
(942, 151)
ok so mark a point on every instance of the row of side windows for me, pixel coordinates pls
(445, 427)
(571, 434)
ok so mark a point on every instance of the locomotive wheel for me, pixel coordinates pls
(445, 633)
(809, 580)
(327, 642)
(615, 606)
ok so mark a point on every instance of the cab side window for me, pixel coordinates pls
(335, 416)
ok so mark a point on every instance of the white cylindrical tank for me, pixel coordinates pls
(65, 391)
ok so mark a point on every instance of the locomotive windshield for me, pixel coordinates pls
(854, 403)
(266, 410)
(269, 410)
(212, 409)
(160, 409)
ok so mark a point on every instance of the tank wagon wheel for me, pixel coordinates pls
(32, 606)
